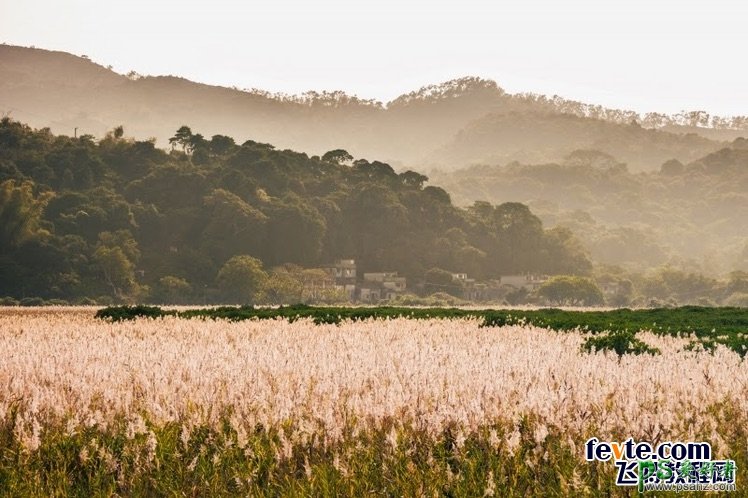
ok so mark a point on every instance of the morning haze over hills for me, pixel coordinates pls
(655, 204)
(373, 266)
(446, 126)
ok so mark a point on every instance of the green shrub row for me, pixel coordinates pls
(711, 326)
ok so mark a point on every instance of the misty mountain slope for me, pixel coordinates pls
(55, 89)
(21, 66)
(451, 124)
(719, 134)
(409, 128)
(693, 215)
(40, 87)
(532, 137)
(44, 88)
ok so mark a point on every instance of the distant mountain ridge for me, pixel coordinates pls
(430, 127)
(691, 215)
(533, 137)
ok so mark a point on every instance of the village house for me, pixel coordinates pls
(470, 290)
(343, 271)
(381, 286)
(527, 281)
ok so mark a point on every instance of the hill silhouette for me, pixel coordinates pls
(449, 125)
(692, 215)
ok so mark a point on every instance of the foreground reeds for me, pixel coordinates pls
(394, 407)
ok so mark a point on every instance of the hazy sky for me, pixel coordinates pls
(663, 55)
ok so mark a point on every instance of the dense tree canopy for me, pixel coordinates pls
(575, 291)
(124, 219)
(693, 215)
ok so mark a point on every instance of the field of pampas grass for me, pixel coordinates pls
(400, 407)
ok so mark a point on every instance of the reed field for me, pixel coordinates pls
(394, 406)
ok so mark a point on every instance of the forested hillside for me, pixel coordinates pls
(124, 219)
(532, 137)
(449, 125)
(692, 215)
